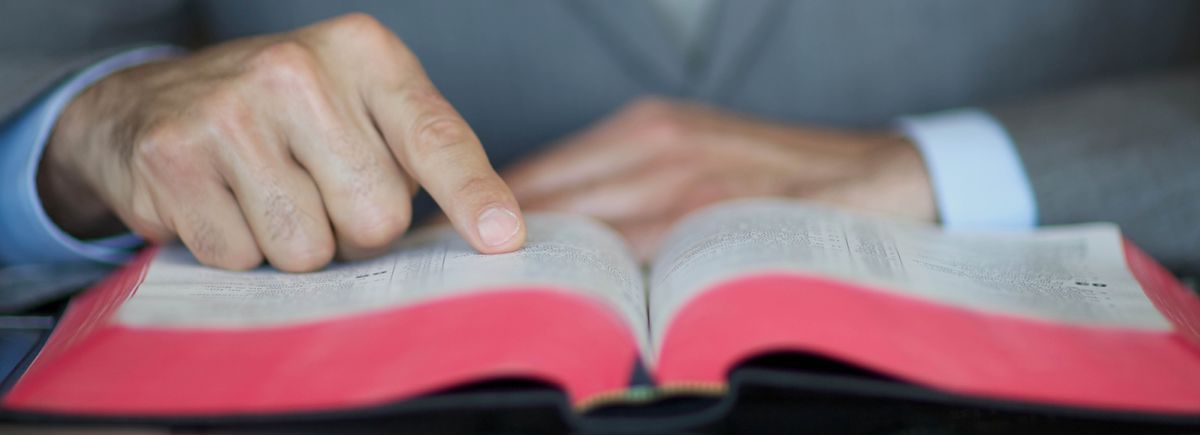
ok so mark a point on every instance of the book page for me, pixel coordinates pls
(571, 253)
(1072, 274)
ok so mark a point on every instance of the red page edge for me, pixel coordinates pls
(1058, 367)
(87, 331)
(1171, 297)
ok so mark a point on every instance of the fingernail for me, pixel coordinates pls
(498, 225)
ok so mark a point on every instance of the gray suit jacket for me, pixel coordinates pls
(1101, 97)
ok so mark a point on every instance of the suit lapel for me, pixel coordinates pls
(634, 32)
(740, 29)
(636, 36)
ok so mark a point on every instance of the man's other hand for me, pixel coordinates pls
(656, 160)
(293, 147)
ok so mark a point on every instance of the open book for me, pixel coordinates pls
(1072, 316)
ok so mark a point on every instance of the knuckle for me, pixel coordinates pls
(479, 187)
(284, 66)
(439, 135)
(165, 148)
(281, 53)
(218, 248)
(661, 132)
(294, 242)
(284, 218)
(357, 21)
(377, 226)
(436, 128)
(345, 143)
(360, 29)
(658, 121)
(205, 240)
(424, 95)
(226, 111)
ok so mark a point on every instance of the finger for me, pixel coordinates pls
(631, 137)
(639, 194)
(179, 192)
(578, 161)
(435, 145)
(366, 194)
(282, 206)
(211, 225)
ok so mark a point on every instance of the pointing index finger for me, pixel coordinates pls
(437, 147)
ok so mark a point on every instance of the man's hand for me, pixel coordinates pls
(291, 147)
(649, 164)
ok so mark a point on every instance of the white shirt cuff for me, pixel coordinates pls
(977, 176)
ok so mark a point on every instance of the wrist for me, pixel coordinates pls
(907, 179)
(873, 171)
(67, 196)
(894, 179)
